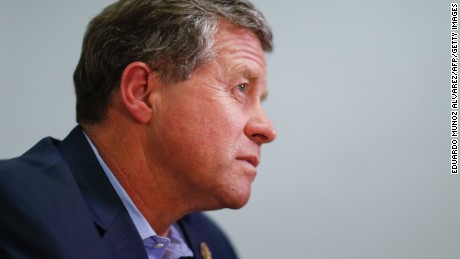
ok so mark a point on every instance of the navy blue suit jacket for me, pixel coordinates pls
(56, 202)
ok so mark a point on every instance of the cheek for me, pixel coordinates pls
(221, 125)
(206, 131)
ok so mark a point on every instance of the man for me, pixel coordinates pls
(170, 124)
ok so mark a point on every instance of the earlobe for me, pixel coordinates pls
(135, 89)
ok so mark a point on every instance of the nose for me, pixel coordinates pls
(259, 128)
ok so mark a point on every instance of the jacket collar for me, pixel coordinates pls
(110, 216)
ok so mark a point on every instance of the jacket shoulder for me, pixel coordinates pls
(38, 158)
(44, 214)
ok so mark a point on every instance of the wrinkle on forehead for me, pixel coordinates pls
(238, 41)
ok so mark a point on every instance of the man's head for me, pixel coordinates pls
(175, 89)
(174, 37)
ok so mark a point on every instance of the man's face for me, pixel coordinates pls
(207, 131)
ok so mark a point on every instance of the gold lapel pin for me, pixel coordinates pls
(205, 252)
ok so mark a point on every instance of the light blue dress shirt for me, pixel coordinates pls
(173, 246)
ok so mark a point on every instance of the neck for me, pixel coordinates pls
(159, 201)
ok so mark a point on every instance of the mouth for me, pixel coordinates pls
(253, 160)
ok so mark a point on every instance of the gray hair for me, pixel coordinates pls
(174, 37)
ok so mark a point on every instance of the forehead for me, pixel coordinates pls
(241, 48)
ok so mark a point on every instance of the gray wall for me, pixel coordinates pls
(359, 92)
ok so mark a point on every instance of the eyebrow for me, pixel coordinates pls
(245, 71)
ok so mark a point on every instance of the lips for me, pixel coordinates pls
(253, 160)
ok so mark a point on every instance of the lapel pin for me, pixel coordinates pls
(205, 252)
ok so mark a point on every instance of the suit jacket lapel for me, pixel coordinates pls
(112, 220)
(205, 238)
(193, 236)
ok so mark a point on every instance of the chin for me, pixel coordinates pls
(237, 199)
(237, 206)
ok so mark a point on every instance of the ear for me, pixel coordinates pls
(135, 89)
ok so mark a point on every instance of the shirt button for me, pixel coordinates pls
(159, 245)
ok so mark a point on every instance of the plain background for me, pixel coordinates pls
(359, 93)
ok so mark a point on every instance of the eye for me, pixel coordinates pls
(240, 92)
(242, 87)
